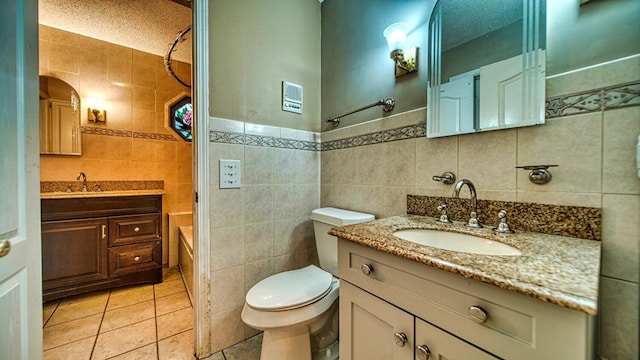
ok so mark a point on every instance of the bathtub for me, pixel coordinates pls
(185, 256)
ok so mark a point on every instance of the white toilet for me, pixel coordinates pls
(298, 309)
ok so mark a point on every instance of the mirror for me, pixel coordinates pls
(486, 62)
(59, 118)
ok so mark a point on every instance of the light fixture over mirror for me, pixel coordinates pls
(486, 65)
(405, 59)
(96, 110)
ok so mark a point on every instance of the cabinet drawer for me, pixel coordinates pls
(515, 327)
(129, 259)
(134, 228)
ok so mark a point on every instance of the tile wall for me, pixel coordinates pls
(134, 143)
(593, 122)
(263, 227)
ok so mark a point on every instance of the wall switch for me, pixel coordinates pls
(230, 174)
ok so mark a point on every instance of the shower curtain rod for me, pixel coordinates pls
(388, 104)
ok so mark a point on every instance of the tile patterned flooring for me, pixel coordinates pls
(137, 322)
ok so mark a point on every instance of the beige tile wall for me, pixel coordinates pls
(262, 228)
(596, 154)
(135, 87)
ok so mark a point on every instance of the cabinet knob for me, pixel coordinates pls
(423, 352)
(136, 229)
(400, 339)
(477, 314)
(366, 269)
(137, 258)
(5, 247)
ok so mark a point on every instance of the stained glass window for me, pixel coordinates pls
(181, 117)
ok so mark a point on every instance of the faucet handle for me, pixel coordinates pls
(503, 227)
(444, 217)
(446, 178)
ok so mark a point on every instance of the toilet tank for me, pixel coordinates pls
(323, 220)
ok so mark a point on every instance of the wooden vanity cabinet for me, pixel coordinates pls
(98, 243)
(431, 308)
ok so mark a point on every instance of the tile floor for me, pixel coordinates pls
(137, 322)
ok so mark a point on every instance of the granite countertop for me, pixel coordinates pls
(557, 269)
(96, 194)
(59, 189)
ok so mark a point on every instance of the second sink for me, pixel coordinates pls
(456, 242)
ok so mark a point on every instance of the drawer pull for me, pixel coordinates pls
(400, 339)
(366, 269)
(136, 229)
(137, 258)
(477, 314)
(423, 352)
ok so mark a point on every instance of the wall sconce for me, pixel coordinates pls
(96, 111)
(406, 59)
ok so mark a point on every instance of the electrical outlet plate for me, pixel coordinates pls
(230, 174)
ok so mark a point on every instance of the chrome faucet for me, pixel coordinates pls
(473, 219)
(84, 180)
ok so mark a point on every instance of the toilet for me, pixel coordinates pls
(298, 310)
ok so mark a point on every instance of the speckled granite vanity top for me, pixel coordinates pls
(557, 269)
(95, 194)
(59, 189)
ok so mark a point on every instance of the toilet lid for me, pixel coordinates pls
(290, 289)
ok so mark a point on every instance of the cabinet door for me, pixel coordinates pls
(372, 329)
(442, 345)
(73, 252)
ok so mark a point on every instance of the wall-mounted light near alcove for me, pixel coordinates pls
(406, 59)
(96, 110)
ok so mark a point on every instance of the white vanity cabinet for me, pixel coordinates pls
(383, 296)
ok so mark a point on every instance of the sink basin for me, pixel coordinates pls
(456, 242)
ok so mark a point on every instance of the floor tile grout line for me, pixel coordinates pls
(155, 313)
(51, 315)
(104, 311)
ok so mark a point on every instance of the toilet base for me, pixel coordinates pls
(291, 344)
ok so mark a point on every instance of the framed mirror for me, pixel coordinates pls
(486, 62)
(59, 118)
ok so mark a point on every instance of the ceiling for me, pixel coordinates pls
(145, 25)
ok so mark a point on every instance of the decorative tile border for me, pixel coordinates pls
(92, 130)
(607, 98)
(261, 140)
(401, 133)
(574, 221)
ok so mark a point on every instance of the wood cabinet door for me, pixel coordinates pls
(74, 252)
(371, 329)
(442, 345)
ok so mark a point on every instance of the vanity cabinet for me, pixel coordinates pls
(370, 321)
(98, 243)
(383, 295)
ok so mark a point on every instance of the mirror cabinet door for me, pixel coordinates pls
(486, 66)
(59, 118)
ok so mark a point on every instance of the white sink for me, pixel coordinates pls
(456, 242)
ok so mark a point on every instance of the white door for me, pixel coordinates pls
(20, 265)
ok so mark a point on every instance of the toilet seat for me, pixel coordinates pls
(290, 289)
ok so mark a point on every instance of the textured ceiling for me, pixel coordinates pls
(467, 20)
(145, 25)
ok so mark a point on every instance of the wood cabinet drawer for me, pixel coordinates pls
(128, 259)
(515, 327)
(134, 228)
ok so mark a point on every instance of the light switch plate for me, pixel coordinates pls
(230, 174)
